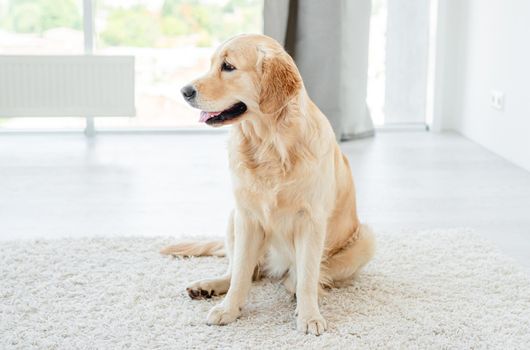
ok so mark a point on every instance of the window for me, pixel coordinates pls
(41, 27)
(172, 41)
(375, 96)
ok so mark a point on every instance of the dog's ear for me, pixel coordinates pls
(280, 81)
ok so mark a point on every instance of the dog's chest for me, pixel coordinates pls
(271, 186)
(265, 198)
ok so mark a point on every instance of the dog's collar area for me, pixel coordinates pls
(212, 118)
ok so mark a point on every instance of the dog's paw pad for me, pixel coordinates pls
(199, 293)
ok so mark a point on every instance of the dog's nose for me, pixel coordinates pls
(188, 92)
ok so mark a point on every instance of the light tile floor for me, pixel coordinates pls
(54, 185)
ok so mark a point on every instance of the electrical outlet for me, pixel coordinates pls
(497, 100)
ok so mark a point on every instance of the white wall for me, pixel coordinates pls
(484, 45)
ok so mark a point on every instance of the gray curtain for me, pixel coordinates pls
(328, 40)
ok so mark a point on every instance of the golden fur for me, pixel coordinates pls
(295, 217)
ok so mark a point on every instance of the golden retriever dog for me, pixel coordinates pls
(295, 217)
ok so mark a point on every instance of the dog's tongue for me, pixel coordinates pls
(207, 115)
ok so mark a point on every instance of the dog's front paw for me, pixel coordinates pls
(222, 315)
(313, 324)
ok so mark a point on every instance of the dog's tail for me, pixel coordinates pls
(210, 248)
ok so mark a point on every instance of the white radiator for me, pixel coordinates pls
(34, 86)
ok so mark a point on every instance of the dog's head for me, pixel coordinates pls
(251, 76)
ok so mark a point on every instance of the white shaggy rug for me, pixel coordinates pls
(426, 290)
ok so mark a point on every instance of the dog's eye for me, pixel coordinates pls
(227, 67)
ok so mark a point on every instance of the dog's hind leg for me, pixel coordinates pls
(206, 288)
(344, 266)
